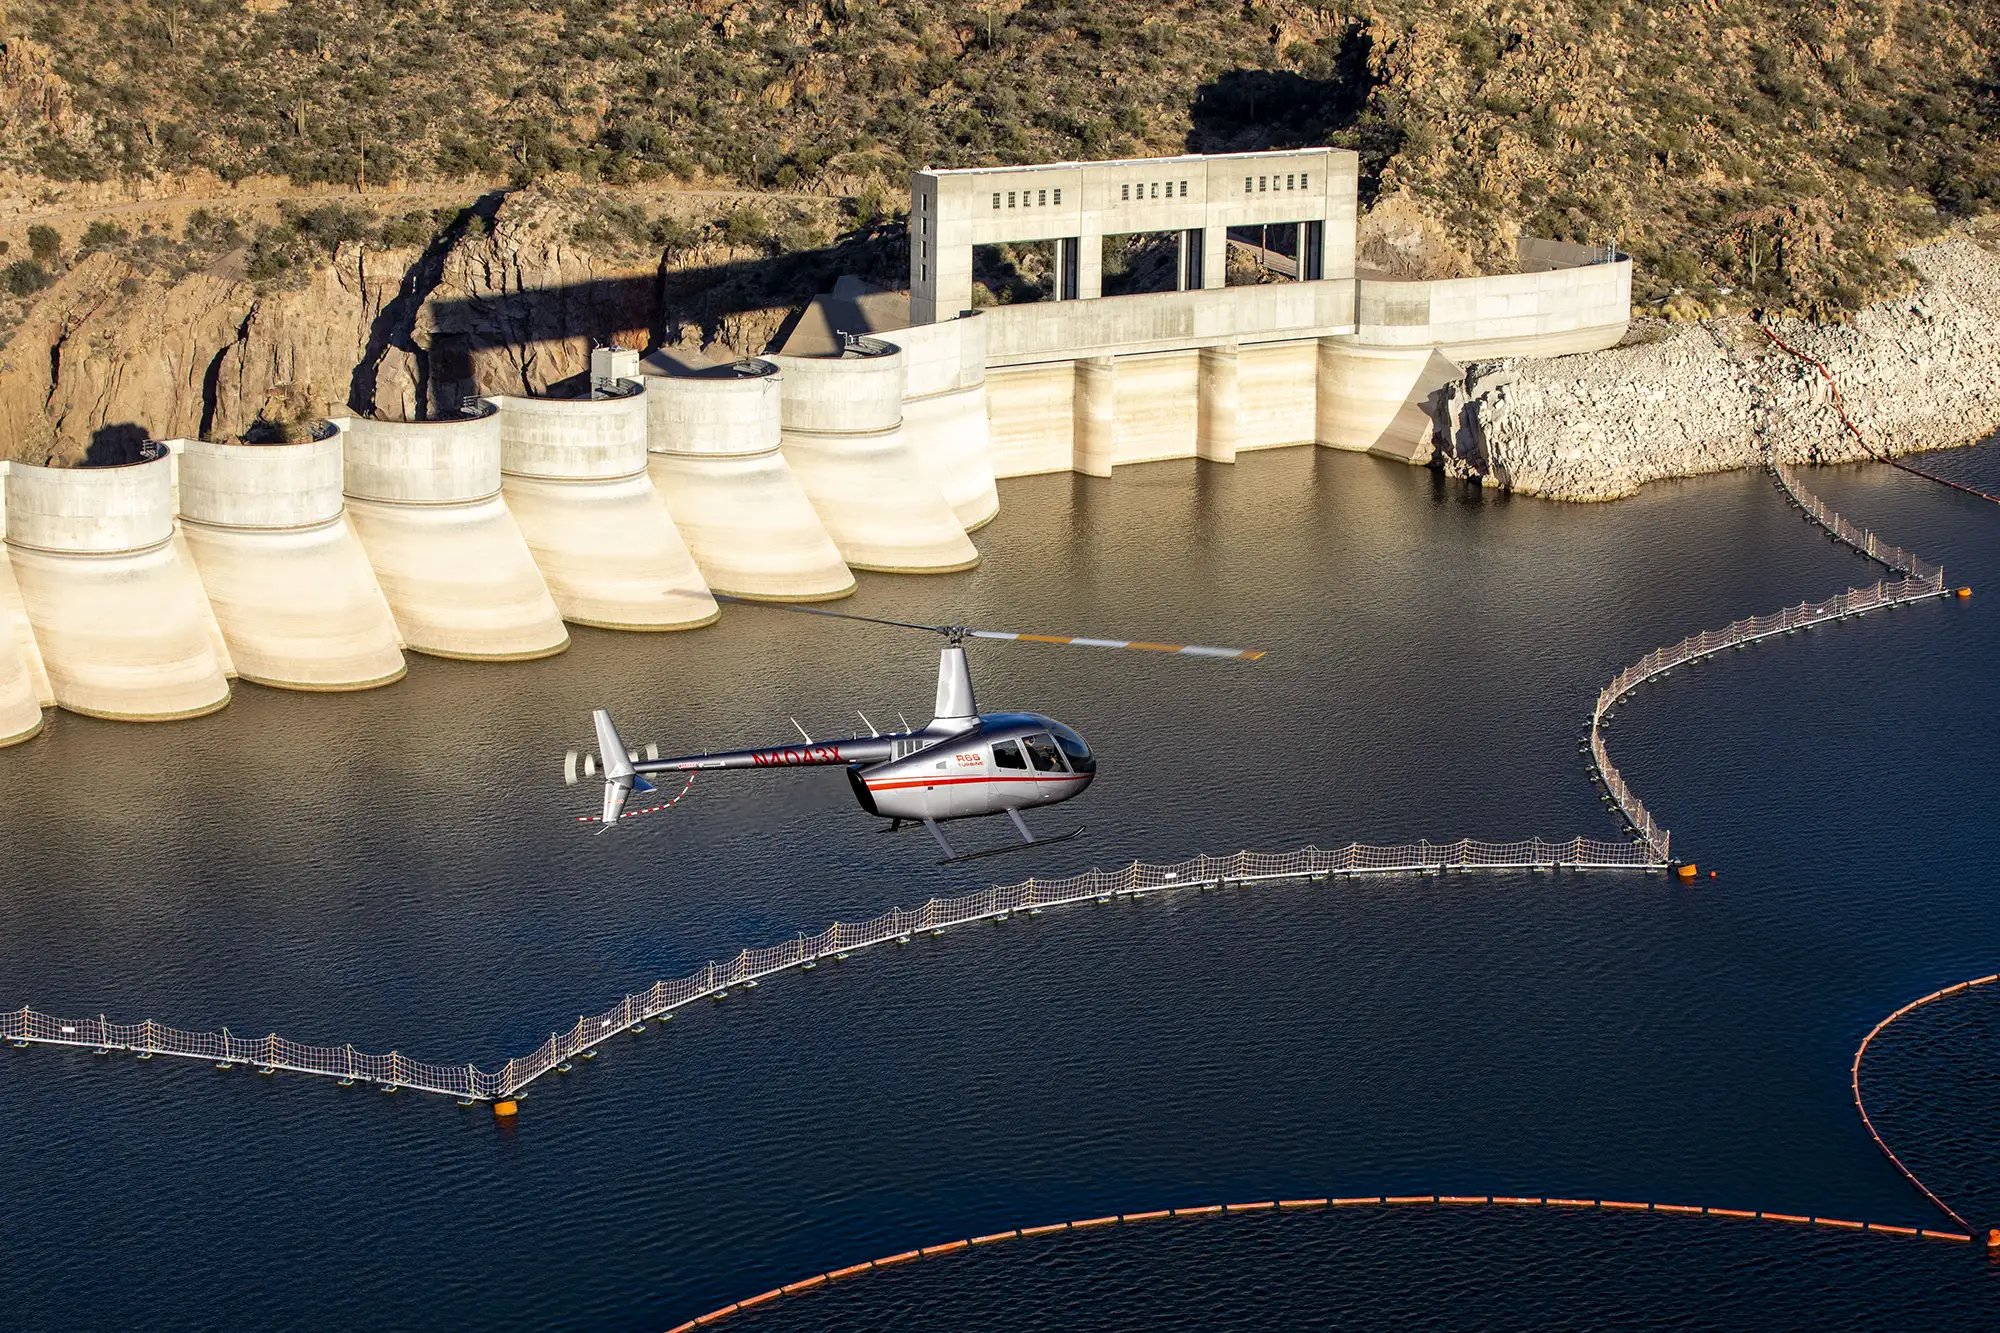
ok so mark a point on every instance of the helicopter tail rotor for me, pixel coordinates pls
(615, 762)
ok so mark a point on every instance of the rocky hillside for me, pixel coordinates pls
(186, 245)
(229, 329)
(1776, 153)
(1918, 372)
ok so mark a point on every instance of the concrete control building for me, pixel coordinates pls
(872, 441)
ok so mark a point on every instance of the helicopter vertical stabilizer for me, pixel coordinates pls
(955, 707)
(618, 771)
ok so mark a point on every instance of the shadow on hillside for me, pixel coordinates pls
(1248, 110)
(668, 307)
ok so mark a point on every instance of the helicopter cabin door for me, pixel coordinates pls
(1052, 775)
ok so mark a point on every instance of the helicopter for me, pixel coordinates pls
(962, 764)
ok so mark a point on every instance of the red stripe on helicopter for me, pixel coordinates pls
(951, 782)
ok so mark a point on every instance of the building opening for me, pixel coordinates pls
(1013, 273)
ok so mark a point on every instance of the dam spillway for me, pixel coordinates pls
(575, 477)
(120, 618)
(843, 436)
(292, 591)
(872, 441)
(425, 498)
(716, 455)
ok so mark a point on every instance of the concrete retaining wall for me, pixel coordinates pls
(717, 460)
(1031, 413)
(425, 499)
(1167, 321)
(1278, 387)
(574, 475)
(1549, 312)
(119, 616)
(842, 420)
(292, 590)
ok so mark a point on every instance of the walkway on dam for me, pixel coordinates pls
(1650, 851)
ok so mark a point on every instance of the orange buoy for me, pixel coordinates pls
(505, 1109)
(1993, 1240)
(1965, 592)
(1686, 871)
(1711, 874)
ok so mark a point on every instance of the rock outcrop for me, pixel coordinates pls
(1919, 372)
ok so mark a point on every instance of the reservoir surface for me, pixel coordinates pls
(401, 869)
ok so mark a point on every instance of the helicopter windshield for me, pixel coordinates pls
(1072, 744)
(1043, 753)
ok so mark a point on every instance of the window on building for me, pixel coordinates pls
(1183, 189)
(1124, 192)
(923, 273)
(1058, 198)
(1156, 189)
(996, 199)
(1288, 182)
(1246, 185)
(1304, 183)
(1010, 198)
(1041, 196)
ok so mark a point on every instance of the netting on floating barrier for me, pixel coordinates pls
(466, 1082)
(1853, 534)
(1922, 580)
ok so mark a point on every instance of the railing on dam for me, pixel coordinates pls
(395, 1070)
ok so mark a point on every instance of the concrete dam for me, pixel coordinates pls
(871, 441)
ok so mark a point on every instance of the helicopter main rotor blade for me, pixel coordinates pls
(837, 615)
(1187, 650)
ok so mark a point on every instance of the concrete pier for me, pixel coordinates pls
(574, 474)
(22, 695)
(120, 618)
(944, 413)
(17, 640)
(425, 498)
(293, 593)
(843, 436)
(717, 459)
(1362, 390)
(1219, 394)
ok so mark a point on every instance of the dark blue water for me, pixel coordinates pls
(397, 869)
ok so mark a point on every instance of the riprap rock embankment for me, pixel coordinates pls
(1920, 372)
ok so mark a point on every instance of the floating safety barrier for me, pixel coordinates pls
(819, 1280)
(1921, 581)
(395, 1070)
(1854, 1082)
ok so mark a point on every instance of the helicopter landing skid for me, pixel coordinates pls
(953, 856)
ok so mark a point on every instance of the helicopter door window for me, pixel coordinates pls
(1006, 754)
(1042, 750)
